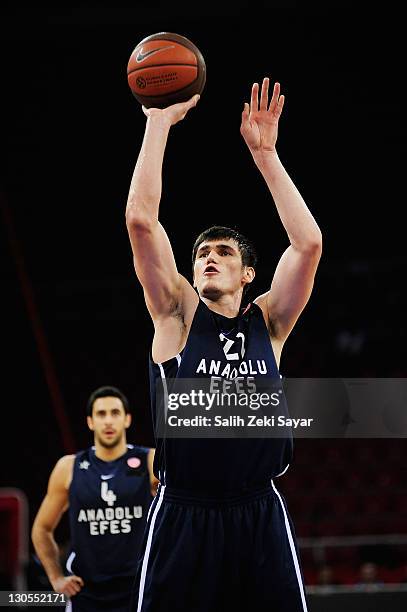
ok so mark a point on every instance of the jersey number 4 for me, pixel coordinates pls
(107, 494)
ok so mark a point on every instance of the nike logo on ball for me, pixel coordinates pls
(142, 56)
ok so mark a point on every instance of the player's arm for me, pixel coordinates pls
(55, 503)
(294, 276)
(154, 261)
(154, 482)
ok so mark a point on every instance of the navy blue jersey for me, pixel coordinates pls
(108, 507)
(225, 347)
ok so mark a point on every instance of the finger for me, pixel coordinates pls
(280, 105)
(146, 111)
(70, 591)
(191, 102)
(254, 99)
(245, 111)
(72, 586)
(79, 580)
(264, 96)
(245, 118)
(274, 98)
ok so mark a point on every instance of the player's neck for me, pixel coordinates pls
(110, 454)
(226, 305)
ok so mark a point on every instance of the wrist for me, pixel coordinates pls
(263, 157)
(53, 578)
(160, 121)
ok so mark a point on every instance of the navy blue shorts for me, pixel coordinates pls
(210, 555)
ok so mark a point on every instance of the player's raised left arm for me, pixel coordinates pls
(294, 276)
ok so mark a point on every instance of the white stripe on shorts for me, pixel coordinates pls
(293, 551)
(147, 551)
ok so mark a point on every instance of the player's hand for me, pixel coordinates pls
(173, 113)
(68, 585)
(259, 125)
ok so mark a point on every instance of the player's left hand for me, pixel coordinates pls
(259, 125)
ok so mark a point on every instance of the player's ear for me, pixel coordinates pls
(249, 274)
(127, 420)
(90, 423)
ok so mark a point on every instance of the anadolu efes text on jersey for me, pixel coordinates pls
(244, 368)
(113, 519)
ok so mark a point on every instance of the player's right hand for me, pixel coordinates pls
(173, 113)
(68, 585)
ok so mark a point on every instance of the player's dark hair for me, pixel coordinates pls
(106, 392)
(246, 247)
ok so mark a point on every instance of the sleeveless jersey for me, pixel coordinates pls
(108, 506)
(215, 465)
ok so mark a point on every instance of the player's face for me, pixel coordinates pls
(109, 421)
(218, 268)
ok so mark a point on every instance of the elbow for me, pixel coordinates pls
(38, 530)
(34, 535)
(312, 247)
(314, 243)
(138, 218)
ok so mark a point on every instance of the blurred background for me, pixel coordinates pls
(73, 312)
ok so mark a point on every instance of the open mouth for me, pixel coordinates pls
(210, 270)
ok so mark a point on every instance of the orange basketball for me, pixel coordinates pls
(165, 68)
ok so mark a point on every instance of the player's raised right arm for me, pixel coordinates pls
(153, 257)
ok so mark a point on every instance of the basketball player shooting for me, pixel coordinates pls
(219, 535)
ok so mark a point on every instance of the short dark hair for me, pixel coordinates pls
(246, 248)
(106, 392)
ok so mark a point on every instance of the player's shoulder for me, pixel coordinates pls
(62, 473)
(65, 462)
(261, 302)
(134, 449)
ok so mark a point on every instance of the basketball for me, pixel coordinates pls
(164, 69)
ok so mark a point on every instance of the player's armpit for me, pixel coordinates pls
(290, 289)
